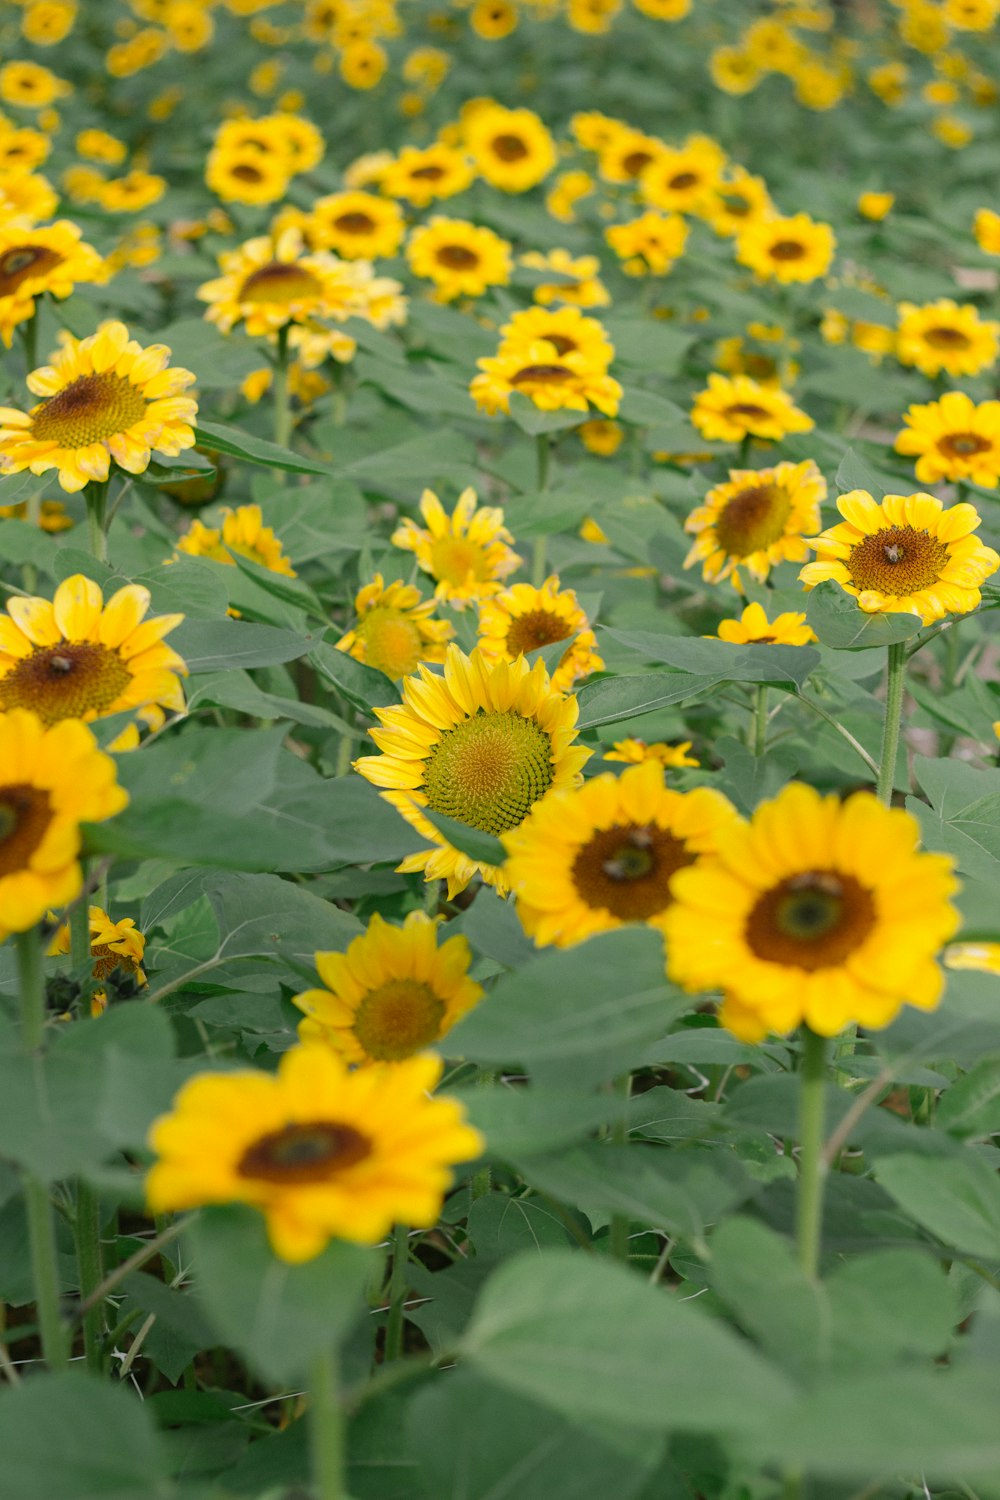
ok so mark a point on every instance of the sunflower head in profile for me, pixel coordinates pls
(395, 992)
(786, 250)
(322, 1152)
(268, 284)
(524, 618)
(460, 258)
(816, 911)
(943, 337)
(589, 859)
(79, 658)
(511, 148)
(105, 399)
(953, 439)
(907, 555)
(467, 553)
(242, 531)
(753, 628)
(633, 752)
(756, 520)
(732, 408)
(481, 744)
(51, 781)
(115, 947)
(42, 258)
(395, 629)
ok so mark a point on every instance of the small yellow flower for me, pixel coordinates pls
(44, 258)
(730, 409)
(586, 289)
(242, 531)
(624, 153)
(553, 382)
(753, 628)
(567, 329)
(634, 752)
(493, 19)
(943, 337)
(786, 250)
(523, 618)
(986, 228)
(649, 244)
(113, 945)
(601, 437)
(567, 190)
(511, 147)
(246, 176)
(356, 225)
(467, 553)
(734, 70)
(685, 178)
(47, 22)
(421, 175)
(953, 439)
(875, 206)
(98, 145)
(30, 86)
(362, 64)
(395, 630)
(737, 200)
(131, 193)
(461, 259)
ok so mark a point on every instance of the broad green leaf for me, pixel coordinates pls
(728, 663)
(609, 699)
(220, 645)
(757, 1275)
(521, 1122)
(840, 623)
(255, 450)
(854, 473)
(360, 684)
(891, 1306)
(536, 422)
(472, 842)
(216, 358)
(956, 1199)
(971, 1107)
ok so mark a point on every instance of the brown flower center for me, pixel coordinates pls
(787, 250)
(735, 205)
(457, 257)
(280, 282)
(811, 921)
(308, 1152)
(510, 147)
(23, 261)
(429, 173)
(684, 180)
(25, 814)
(541, 372)
(107, 960)
(355, 223)
(490, 770)
(963, 444)
(89, 410)
(538, 627)
(401, 1017)
(634, 162)
(753, 520)
(746, 409)
(70, 680)
(897, 560)
(946, 338)
(626, 870)
(245, 171)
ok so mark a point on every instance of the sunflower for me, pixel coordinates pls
(756, 520)
(105, 398)
(729, 410)
(875, 206)
(566, 192)
(986, 228)
(481, 744)
(954, 439)
(246, 175)
(358, 226)
(395, 992)
(552, 382)
(460, 258)
(467, 553)
(907, 555)
(592, 130)
(523, 618)
(79, 658)
(52, 779)
(589, 859)
(131, 193)
(624, 154)
(395, 629)
(753, 628)
(45, 258)
(511, 147)
(817, 910)
(737, 200)
(268, 284)
(423, 174)
(28, 195)
(30, 86)
(51, 516)
(321, 1151)
(586, 289)
(601, 437)
(983, 958)
(786, 250)
(649, 244)
(242, 531)
(113, 945)
(684, 179)
(567, 329)
(734, 70)
(942, 336)
(492, 19)
(634, 752)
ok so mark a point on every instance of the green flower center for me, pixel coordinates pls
(753, 520)
(392, 641)
(89, 410)
(398, 1019)
(489, 771)
(811, 921)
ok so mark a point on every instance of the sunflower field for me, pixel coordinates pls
(500, 750)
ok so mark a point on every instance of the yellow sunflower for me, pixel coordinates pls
(986, 228)
(30, 86)
(552, 382)
(907, 555)
(753, 628)
(875, 206)
(322, 1152)
(52, 779)
(567, 329)
(586, 288)
(268, 284)
(943, 337)
(511, 147)
(523, 618)
(983, 958)
(28, 195)
(395, 629)
(566, 192)
(738, 199)
(423, 174)
(817, 910)
(467, 553)
(460, 258)
(113, 945)
(395, 992)
(648, 244)
(44, 258)
(589, 859)
(729, 410)
(756, 520)
(786, 250)
(480, 744)
(624, 153)
(358, 226)
(734, 70)
(684, 179)
(953, 439)
(106, 398)
(242, 531)
(634, 752)
(79, 658)
(603, 438)
(592, 130)
(245, 175)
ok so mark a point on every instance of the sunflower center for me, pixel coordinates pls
(401, 1017)
(282, 283)
(753, 520)
(489, 771)
(428, 174)
(246, 172)
(787, 250)
(392, 642)
(541, 372)
(964, 444)
(811, 921)
(746, 409)
(510, 147)
(537, 627)
(457, 257)
(737, 207)
(626, 870)
(634, 162)
(684, 180)
(310, 1151)
(25, 260)
(90, 409)
(355, 223)
(897, 560)
(453, 558)
(561, 343)
(70, 680)
(946, 338)
(107, 960)
(25, 814)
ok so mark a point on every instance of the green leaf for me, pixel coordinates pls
(255, 450)
(523, 1122)
(219, 645)
(277, 1316)
(532, 420)
(891, 1306)
(854, 473)
(647, 409)
(472, 842)
(971, 1107)
(957, 1199)
(784, 665)
(840, 623)
(360, 684)
(609, 699)
(757, 1275)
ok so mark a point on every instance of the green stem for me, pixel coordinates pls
(812, 1167)
(32, 986)
(87, 1232)
(397, 1294)
(618, 1229)
(758, 722)
(96, 496)
(29, 337)
(282, 404)
(894, 683)
(543, 454)
(327, 1446)
(79, 948)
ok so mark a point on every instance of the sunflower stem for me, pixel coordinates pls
(96, 496)
(397, 1294)
(758, 722)
(87, 1233)
(326, 1431)
(282, 405)
(812, 1166)
(618, 1228)
(29, 337)
(539, 556)
(41, 1225)
(895, 680)
(81, 958)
